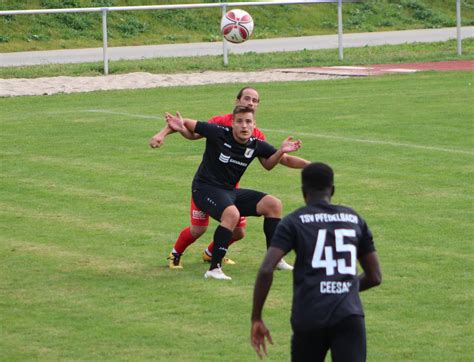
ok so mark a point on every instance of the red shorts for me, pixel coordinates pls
(201, 218)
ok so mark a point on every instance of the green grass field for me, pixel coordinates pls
(89, 214)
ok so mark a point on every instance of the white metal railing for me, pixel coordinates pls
(176, 6)
(223, 6)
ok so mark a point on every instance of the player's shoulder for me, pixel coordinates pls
(343, 209)
(211, 128)
(326, 208)
(295, 214)
(257, 133)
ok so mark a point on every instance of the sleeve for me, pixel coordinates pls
(264, 149)
(207, 130)
(366, 243)
(285, 235)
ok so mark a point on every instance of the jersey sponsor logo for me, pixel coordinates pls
(223, 158)
(334, 287)
(226, 159)
(199, 215)
(243, 164)
(249, 152)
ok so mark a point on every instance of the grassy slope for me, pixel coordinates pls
(89, 213)
(169, 26)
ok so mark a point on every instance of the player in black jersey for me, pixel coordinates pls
(228, 153)
(328, 240)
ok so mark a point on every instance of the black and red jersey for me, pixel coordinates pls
(225, 160)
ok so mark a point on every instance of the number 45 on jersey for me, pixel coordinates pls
(323, 256)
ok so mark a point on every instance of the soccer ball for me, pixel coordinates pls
(237, 26)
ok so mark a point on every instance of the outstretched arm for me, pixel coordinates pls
(178, 124)
(259, 331)
(288, 145)
(188, 134)
(159, 139)
(293, 161)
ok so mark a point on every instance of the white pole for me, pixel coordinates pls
(339, 29)
(104, 37)
(224, 42)
(458, 21)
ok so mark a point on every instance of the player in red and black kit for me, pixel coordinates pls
(328, 240)
(228, 153)
(247, 97)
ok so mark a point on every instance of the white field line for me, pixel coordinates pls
(305, 134)
(161, 118)
(143, 116)
(361, 140)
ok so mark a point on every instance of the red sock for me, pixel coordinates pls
(211, 246)
(184, 240)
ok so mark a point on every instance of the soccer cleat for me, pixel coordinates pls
(174, 261)
(216, 273)
(283, 265)
(206, 258)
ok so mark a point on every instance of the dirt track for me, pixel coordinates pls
(54, 85)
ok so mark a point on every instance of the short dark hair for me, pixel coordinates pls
(317, 176)
(242, 109)
(239, 95)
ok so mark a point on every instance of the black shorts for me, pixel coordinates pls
(214, 200)
(346, 340)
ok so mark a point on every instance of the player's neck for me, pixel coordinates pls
(317, 197)
(240, 140)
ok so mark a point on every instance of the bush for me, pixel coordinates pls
(56, 4)
(426, 15)
(37, 37)
(130, 27)
(103, 3)
(195, 19)
(74, 21)
(7, 19)
(386, 23)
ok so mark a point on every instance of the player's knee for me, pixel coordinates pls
(230, 217)
(197, 231)
(270, 206)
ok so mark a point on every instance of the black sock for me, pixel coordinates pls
(222, 237)
(269, 227)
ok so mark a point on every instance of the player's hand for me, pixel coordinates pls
(176, 123)
(257, 338)
(290, 145)
(157, 141)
